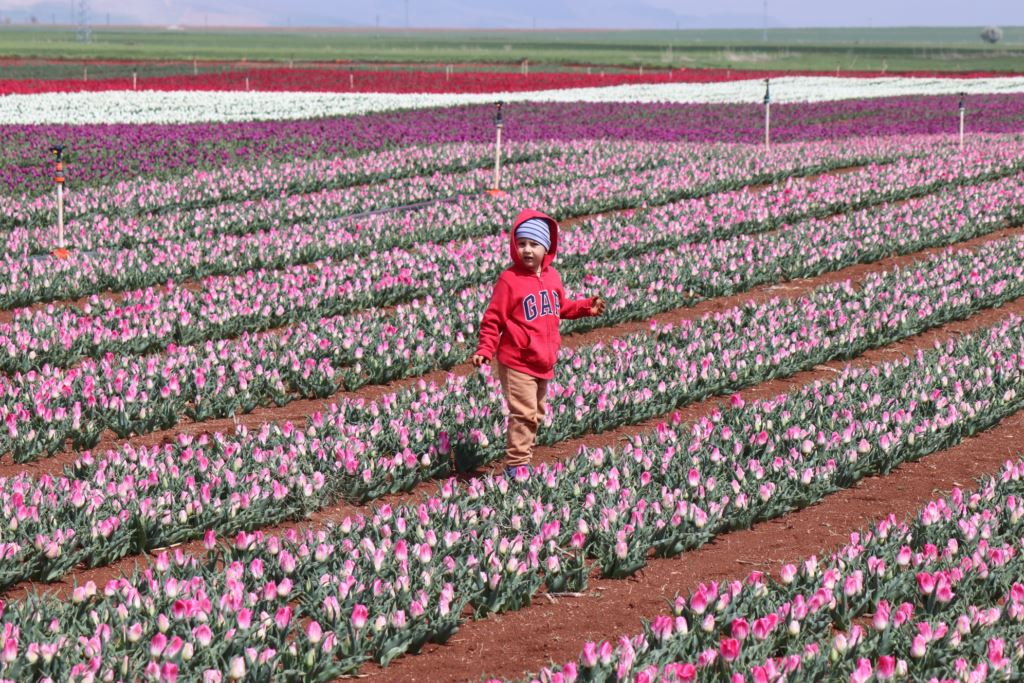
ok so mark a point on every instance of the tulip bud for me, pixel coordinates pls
(236, 670)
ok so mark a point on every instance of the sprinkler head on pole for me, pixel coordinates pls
(962, 96)
(767, 94)
(497, 113)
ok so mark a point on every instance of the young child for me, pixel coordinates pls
(519, 330)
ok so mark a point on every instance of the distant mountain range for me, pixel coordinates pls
(524, 14)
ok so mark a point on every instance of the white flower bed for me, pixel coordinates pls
(194, 107)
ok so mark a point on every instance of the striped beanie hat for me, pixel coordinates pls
(535, 229)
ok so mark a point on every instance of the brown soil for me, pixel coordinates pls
(568, 448)
(555, 628)
(7, 315)
(511, 644)
(301, 409)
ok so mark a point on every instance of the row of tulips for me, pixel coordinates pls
(109, 153)
(146, 320)
(574, 164)
(936, 598)
(283, 208)
(431, 78)
(131, 394)
(210, 205)
(311, 605)
(147, 107)
(29, 279)
(42, 409)
(133, 499)
(206, 187)
(286, 209)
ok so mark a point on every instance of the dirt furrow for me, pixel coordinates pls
(568, 448)
(555, 628)
(301, 409)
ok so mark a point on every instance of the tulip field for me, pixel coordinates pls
(240, 438)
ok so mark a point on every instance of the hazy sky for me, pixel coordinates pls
(529, 13)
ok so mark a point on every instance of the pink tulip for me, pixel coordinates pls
(662, 627)
(729, 648)
(685, 672)
(739, 629)
(943, 590)
(169, 672)
(995, 654)
(862, 673)
(918, 647)
(359, 616)
(885, 667)
(237, 668)
(203, 635)
(157, 644)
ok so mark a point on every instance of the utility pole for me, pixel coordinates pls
(764, 23)
(83, 33)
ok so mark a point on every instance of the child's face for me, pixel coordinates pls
(532, 253)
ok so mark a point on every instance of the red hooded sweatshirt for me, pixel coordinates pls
(521, 322)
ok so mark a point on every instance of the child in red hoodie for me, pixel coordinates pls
(521, 326)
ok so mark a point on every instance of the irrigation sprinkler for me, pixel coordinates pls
(246, 84)
(498, 123)
(767, 116)
(61, 251)
(962, 95)
(135, 80)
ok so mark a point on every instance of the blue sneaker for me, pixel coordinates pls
(521, 473)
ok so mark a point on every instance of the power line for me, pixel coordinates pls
(83, 33)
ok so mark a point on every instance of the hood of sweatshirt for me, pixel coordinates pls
(526, 215)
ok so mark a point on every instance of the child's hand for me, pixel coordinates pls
(477, 360)
(597, 308)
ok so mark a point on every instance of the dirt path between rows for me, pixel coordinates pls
(301, 409)
(568, 448)
(555, 629)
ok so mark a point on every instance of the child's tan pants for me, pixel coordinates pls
(524, 395)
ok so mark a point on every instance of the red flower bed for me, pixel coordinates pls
(406, 81)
